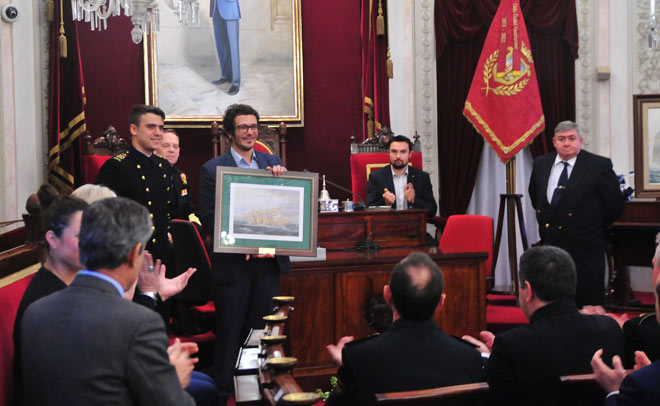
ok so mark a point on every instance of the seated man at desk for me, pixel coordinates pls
(400, 185)
(413, 353)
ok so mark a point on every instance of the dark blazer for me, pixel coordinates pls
(527, 361)
(641, 333)
(382, 178)
(638, 388)
(410, 355)
(591, 202)
(86, 345)
(207, 178)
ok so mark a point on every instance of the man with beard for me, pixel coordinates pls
(400, 185)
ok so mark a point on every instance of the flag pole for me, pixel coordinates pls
(513, 203)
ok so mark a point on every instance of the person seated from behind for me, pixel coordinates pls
(104, 349)
(91, 193)
(642, 333)
(638, 388)
(526, 362)
(413, 353)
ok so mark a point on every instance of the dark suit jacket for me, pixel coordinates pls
(86, 345)
(639, 388)
(207, 179)
(526, 361)
(382, 178)
(591, 202)
(411, 355)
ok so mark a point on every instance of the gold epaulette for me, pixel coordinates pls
(120, 157)
(194, 219)
(646, 316)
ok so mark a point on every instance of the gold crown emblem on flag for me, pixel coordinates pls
(511, 82)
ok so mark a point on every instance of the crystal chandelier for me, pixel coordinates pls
(142, 13)
(652, 35)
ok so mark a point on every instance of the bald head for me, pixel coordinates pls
(416, 285)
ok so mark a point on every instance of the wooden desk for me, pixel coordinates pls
(387, 228)
(331, 296)
(631, 241)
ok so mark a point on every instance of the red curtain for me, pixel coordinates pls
(66, 102)
(461, 27)
(375, 86)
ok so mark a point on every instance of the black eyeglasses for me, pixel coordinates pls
(244, 128)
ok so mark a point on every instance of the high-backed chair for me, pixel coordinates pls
(99, 150)
(269, 140)
(190, 252)
(469, 233)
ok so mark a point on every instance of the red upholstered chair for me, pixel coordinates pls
(363, 164)
(469, 233)
(12, 288)
(92, 165)
(190, 252)
(473, 233)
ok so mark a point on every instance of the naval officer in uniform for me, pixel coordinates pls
(141, 175)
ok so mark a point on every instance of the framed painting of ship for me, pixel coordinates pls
(646, 110)
(258, 213)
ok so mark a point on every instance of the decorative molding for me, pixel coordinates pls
(647, 64)
(584, 69)
(44, 59)
(426, 116)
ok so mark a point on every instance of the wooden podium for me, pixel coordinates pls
(331, 295)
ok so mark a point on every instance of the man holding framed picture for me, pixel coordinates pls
(244, 284)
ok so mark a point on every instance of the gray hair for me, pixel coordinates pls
(657, 247)
(567, 126)
(110, 228)
(91, 193)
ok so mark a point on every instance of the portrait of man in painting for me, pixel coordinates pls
(244, 51)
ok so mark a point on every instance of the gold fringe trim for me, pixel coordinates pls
(532, 131)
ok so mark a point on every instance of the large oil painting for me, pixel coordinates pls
(244, 51)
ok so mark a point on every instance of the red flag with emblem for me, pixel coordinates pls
(504, 104)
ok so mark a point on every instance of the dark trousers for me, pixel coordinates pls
(243, 294)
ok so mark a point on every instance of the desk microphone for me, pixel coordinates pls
(357, 206)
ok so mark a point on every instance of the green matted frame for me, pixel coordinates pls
(258, 213)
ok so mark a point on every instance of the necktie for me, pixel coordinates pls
(561, 185)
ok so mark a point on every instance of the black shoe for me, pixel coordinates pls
(220, 81)
(233, 90)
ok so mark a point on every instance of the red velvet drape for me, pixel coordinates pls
(375, 86)
(461, 27)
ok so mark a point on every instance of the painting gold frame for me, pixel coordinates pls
(646, 110)
(258, 213)
(178, 74)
